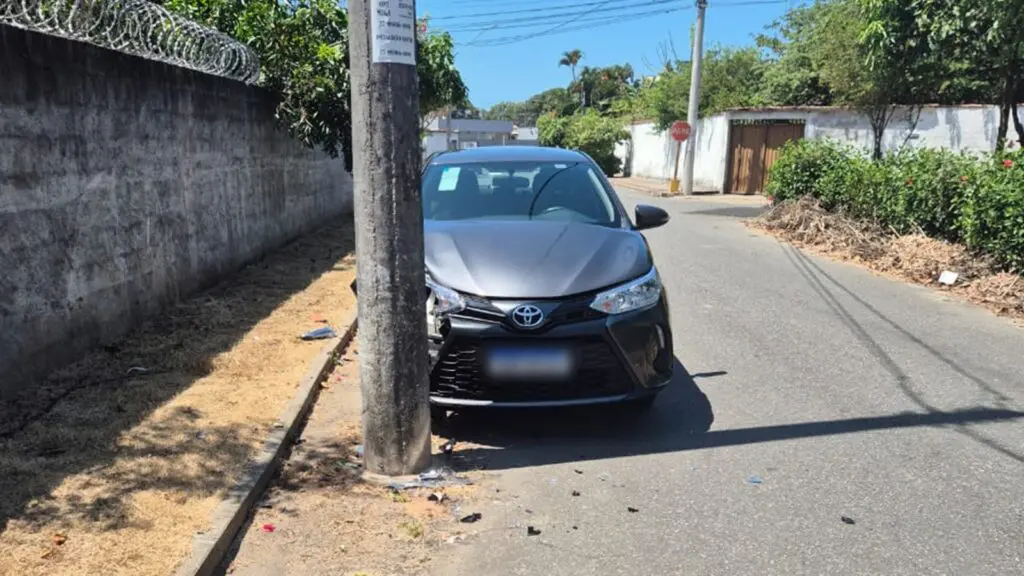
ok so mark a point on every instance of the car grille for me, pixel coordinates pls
(459, 374)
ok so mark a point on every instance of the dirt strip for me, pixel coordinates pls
(115, 463)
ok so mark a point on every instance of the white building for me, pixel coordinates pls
(736, 148)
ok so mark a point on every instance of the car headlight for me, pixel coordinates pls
(644, 292)
(446, 300)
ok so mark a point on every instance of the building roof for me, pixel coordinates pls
(508, 154)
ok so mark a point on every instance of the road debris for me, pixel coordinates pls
(59, 539)
(578, 471)
(436, 497)
(755, 480)
(847, 520)
(448, 449)
(633, 510)
(268, 527)
(575, 492)
(471, 518)
(531, 531)
(432, 479)
(320, 334)
(137, 370)
(948, 278)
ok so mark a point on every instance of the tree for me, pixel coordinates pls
(556, 100)
(303, 51)
(974, 47)
(571, 59)
(791, 77)
(588, 131)
(838, 49)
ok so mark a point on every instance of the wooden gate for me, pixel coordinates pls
(754, 147)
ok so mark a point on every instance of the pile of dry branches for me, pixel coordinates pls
(914, 257)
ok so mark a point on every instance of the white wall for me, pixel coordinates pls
(958, 128)
(654, 152)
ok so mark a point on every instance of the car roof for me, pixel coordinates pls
(508, 154)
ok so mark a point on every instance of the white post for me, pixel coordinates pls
(693, 111)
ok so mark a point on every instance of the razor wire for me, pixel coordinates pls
(139, 28)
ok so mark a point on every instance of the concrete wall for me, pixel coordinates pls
(959, 128)
(126, 184)
(654, 152)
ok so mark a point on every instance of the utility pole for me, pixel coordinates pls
(389, 236)
(693, 111)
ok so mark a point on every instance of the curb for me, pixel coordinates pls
(210, 547)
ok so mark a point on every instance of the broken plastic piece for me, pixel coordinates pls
(436, 497)
(137, 370)
(432, 479)
(847, 520)
(448, 448)
(268, 527)
(471, 518)
(531, 531)
(755, 480)
(320, 334)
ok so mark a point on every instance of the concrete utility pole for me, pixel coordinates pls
(693, 110)
(389, 236)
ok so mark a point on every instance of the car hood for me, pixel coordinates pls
(532, 259)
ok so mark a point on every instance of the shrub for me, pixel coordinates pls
(977, 201)
(587, 131)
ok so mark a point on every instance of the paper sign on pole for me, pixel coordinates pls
(392, 32)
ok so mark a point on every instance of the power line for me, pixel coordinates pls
(561, 29)
(545, 20)
(588, 19)
(572, 7)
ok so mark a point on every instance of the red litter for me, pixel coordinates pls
(268, 528)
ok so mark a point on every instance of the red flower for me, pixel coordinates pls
(1008, 163)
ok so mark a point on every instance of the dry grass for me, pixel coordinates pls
(109, 470)
(328, 520)
(913, 257)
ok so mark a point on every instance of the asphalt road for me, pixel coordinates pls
(807, 391)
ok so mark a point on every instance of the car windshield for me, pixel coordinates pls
(554, 191)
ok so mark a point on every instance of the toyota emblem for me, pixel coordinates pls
(527, 316)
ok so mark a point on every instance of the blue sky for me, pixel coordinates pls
(614, 32)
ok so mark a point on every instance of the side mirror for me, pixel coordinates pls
(648, 216)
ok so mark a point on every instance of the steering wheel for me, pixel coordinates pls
(552, 209)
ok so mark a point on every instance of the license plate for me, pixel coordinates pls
(529, 362)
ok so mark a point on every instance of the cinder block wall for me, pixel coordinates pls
(127, 184)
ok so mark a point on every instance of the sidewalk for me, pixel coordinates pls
(322, 517)
(659, 188)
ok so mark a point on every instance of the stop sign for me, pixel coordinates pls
(680, 131)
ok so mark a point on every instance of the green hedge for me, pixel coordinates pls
(975, 201)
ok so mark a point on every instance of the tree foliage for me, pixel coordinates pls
(588, 131)
(972, 49)
(303, 51)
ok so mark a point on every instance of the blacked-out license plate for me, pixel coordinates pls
(511, 362)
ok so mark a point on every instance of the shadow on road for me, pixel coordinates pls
(680, 421)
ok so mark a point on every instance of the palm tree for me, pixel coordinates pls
(571, 59)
